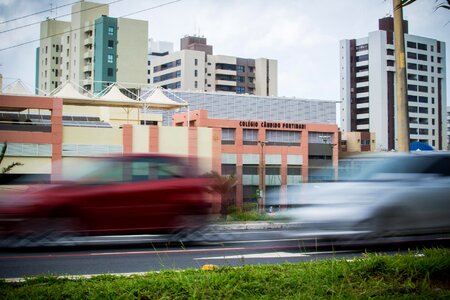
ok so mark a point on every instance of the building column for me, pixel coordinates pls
(153, 139)
(127, 138)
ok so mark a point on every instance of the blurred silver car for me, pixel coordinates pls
(397, 196)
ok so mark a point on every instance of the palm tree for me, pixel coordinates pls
(12, 165)
(440, 4)
(223, 185)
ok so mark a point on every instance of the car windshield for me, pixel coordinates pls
(396, 166)
(97, 171)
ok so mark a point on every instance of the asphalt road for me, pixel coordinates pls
(133, 254)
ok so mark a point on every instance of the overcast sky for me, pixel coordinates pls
(303, 35)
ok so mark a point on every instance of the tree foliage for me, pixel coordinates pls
(12, 165)
(439, 4)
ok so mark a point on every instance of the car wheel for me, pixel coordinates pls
(52, 231)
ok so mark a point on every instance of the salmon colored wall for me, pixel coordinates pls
(200, 118)
(54, 137)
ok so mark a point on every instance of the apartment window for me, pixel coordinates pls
(422, 68)
(423, 89)
(178, 73)
(46, 49)
(195, 73)
(413, 131)
(411, 45)
(421, 46)
(228, 136)
(110, 58)
(283, 138)
(412, 76)
(240, 90)
(423, 78)
(177, 84)
(45, 73)
(67, 52)
(362, 68)
(364, 57)
(423, 121)
(362, 47)
(46, 61)
(68, 39)
(57, 48)
(390, 63)
(110, 30)
(422, 57)
(110, 72)
(110, 44)
(250, 136)
(412, 66)
(363, 89)
(423, 99)
(240, 68)
(439, 70)
(178, 62)
(412, 109)
(413, 120)
(195, 84)
(56, 72)
(432, 58)
(388, 51)
(423, 131)
(196, 62)
(423, 110)
(411, 55)
(57, 60)
(412, 98)
(240, 78)
(432, 100)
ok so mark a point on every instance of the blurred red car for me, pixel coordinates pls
(127, 194)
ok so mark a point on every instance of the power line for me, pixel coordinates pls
(36, 13)
(35, 23)
(69, 31)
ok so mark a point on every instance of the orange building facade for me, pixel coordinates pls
(270, 157)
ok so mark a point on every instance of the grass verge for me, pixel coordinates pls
(373, 276)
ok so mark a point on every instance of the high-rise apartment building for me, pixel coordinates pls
(367, 76)
(91, 50)
(195, 68)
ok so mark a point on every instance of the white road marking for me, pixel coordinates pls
(256, 255)
(273, 255)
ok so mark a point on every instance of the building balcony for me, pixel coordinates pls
(362, 63)
(362, 116)
(362, 105)
(225, 82)
(362, 95)
(87, 68)
(362, 74)
(362, 127)
(362, 84)
(225, 72)
(88, 41)
(87, 54)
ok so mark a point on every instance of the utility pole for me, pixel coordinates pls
(400, 76)
(262, 178)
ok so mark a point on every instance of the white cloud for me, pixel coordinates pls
(303, 35)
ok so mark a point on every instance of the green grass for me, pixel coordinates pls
(371, 277)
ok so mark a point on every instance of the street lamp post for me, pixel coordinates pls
(262, 177)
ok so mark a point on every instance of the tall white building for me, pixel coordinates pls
(367, 77)
(195, 68)
(92, 50)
